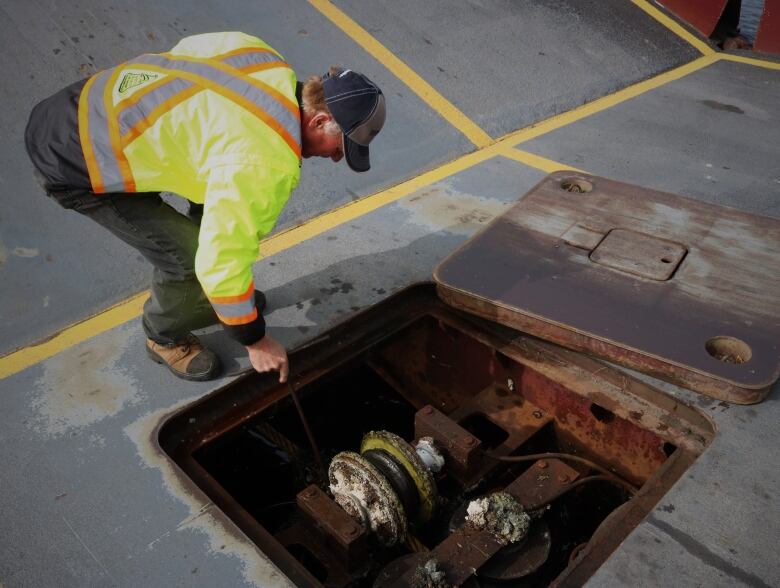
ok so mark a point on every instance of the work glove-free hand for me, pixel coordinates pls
(266, 355)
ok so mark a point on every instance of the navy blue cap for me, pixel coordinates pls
(358, 106)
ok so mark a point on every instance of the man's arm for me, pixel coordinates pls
(242, 205)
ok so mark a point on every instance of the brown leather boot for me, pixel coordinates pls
(188, 359)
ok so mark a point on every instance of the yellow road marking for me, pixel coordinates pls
(674, 26)
(605, 102)
(132, 308)
(353, 210)
(537, 161)
(750, 61)
(73, 335)
(403, 72)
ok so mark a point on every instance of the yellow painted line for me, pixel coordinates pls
(132, 308)
(566, 118)
(674, 26)
(353, 210)
(750, 61)
(403, 72)
(537, 161)
(73, 335)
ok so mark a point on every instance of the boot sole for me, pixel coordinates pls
(210, 375)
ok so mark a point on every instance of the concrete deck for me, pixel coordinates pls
(87, 499)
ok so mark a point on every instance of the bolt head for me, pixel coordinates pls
(310, 493)
(427, 410)
(541, 464)
(563, 479)
(470, 441)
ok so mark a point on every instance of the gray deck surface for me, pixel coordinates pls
(86, 498)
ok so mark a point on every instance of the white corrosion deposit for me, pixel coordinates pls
(500, 514)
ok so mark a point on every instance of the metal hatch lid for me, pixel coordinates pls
(676, 288)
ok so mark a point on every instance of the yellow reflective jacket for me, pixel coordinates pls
(217, 121)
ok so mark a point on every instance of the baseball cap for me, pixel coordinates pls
(358, 106)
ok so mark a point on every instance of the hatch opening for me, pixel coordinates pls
(425, 418)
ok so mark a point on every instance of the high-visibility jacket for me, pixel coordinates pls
(217, 121)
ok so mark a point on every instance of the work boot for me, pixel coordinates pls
(188, 359)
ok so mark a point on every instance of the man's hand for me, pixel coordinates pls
(266, 355)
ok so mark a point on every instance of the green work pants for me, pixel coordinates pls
(168, 240)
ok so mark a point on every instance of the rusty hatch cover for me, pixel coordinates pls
(679, 289)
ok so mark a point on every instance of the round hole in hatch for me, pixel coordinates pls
(666, 260)
(576, 185)
(728, 350)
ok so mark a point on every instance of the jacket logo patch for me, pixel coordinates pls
(131, 80)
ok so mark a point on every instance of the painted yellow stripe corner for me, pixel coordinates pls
(329, 220)
(73, 335)
(750, 61)
(133, 307)
(403, 72)
(674, 26)
(537, 161)
(570, 116)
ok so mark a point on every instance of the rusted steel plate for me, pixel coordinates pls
(466, 550)
(702, 14)
(627, 449)
(542, 483)
(768, 35)
(332, 537)
(341, 533)
(714, 326)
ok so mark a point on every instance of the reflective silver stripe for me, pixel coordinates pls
(244, 59)
(257, 96)
(236, 309)
(132, 115)
(110, 176)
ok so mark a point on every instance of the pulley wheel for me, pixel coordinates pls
(411, 462)
(364, 493)
(398, 477)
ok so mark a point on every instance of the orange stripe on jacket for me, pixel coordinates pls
(250, 69)
(136, 97)
(85, 137)
(240, 320)
(232, 53)
(113, 132)
(207, 84)
(232, 71)
(232, 299)
(157, 112)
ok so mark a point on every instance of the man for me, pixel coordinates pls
(222, 121)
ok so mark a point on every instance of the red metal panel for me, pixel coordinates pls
(768, 36)
(702, 14)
